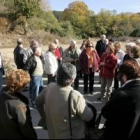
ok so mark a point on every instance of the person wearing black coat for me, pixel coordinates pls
(19, 54)
(15, 118)
(122, 112)
(101, 45)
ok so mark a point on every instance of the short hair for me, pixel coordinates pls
(35, 49)
(111, 40)
(72, 42)
(19, 41)
(56, 41)
(34, 43)
(131, 44)
(52, 46)
(131, 69)
(136, 51)
(17, 80)
(103, 36)
(65, 74)
(117, 44)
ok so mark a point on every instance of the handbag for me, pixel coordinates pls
(96, 133)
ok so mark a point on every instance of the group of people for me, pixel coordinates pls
(63, 68)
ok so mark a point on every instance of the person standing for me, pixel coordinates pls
(1, 72)
(71, 55)
(34, 66)
(15, 118)
(29, 51)
(53, 102)
(129, 46)
(135, 54)
(108, 64)
(122, 112)
(101, 45)
(51, 63)
(19, 54)
(58, 52)
(89, 62)
(120, 56)
(101, 48)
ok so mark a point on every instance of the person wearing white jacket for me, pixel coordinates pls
(51, 64)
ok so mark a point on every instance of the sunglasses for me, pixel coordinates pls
(89, 46)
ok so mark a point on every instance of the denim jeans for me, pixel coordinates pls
(0, 81)
(36, 86)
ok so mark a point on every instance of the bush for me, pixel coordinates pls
(135, 33)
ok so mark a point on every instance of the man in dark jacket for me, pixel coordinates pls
(101, 45)
(122, 112)
(19, 54)
(34, 66)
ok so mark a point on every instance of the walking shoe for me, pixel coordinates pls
(104, 97)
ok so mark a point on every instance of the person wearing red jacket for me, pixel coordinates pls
(108, 64)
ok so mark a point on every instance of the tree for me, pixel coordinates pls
(78, 14)
(24, 10)
(27, 8)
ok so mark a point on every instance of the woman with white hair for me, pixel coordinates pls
(51, 63)
(129, 47)
(55, 100)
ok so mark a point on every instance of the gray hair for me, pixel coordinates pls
(19, 41)
(65, 74)
(131, 44)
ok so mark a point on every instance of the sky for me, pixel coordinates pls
(96, 5)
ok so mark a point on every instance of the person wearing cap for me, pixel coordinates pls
(51, 63)
(108, 64)
(53, 102)
(19, 54)
(71, 55)
(34, 66)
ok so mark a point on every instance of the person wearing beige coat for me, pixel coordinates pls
(53, 101)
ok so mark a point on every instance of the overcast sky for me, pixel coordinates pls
(97, 5)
